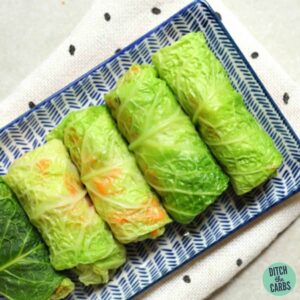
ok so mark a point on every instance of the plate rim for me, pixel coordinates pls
(228, 235)
(276, 107)
(131, 45)
(250, 69)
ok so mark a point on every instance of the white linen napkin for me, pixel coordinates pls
(110, 25)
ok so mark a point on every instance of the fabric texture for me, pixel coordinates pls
(96, 38)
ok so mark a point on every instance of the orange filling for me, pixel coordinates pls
(104, 185)
(151, 213)
(70, 184)
(135, 69)
(43, 166)
(154, 233)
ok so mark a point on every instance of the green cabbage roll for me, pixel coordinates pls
(246, 153)
(109, 171)
(25, 269)
(174, 160)
(48, 186)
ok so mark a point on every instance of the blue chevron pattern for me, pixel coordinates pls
(149, 261)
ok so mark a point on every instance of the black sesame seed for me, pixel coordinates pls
(72, 49)
(107, 17)
(156, 10)
(254, 54)
(186, 279)
(286, 98)
(239, 262)
(218, 15)
(31, 104)
(117, 50)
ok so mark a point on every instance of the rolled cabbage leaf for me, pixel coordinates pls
(25, 269)
(103, 269)
(201, 84)
(48, 186)
(108, 170)
(169, 151)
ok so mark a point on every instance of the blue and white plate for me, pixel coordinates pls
(150, 261)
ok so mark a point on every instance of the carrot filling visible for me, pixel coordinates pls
(70, 184)
(150, 213)
(119, 220)
(43, 166)
(135, 69)
(154, 233)
(105, 184)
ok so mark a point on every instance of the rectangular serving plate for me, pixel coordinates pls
(150, 261)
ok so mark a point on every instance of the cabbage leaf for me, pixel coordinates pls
(169, 151)
(246, 153)
(117, 188)
(25, 269)
(48, 186)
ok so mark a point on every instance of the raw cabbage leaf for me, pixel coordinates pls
(48, 186)
(201, 84)
(25, 269)
(173, 158)
(108, 170)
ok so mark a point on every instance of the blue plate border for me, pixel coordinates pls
(220, 23)
(216, 19)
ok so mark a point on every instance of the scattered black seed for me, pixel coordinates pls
(254, 54)
(218, 15)
(156, 10)
(107, 17)
(117, 50)
(186, 279)
(72, 49)
(31, 104)
(286, 98)
(239, 262)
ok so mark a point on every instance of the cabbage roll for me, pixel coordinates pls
(48, 186)
(25, 269)
(169, 151)
(244, 150)
(108, 170)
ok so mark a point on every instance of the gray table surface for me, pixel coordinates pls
(32, 29)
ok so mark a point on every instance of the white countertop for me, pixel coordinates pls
(32, 29)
